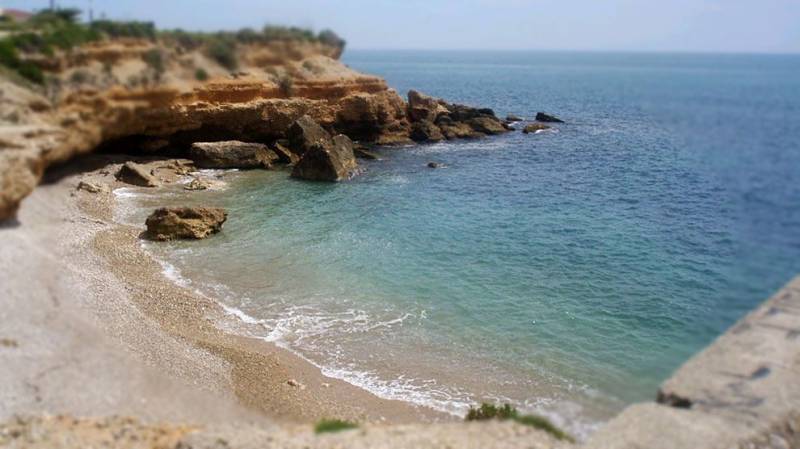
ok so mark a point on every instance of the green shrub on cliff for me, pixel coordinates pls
(116, 29)
(333, 425)
(505, 412)
(201, 75)
(155, 60)
(223, 50)
(10, 59)
(328, 37)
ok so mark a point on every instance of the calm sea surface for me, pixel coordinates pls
(568, 273)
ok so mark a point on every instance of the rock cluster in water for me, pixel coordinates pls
(433, 120)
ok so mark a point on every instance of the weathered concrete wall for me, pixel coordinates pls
(743, 391)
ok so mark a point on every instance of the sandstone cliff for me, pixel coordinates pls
(142, 95)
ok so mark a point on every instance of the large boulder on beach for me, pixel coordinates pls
(171, 223)
(426, 131)
(304, 134)
(137, 175)
(327, 160)
(232, 154)
(542, 117)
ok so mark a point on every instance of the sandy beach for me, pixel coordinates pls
(120, 338)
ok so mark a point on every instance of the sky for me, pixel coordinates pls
(760, 26)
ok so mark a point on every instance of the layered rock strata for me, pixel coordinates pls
(258, 105)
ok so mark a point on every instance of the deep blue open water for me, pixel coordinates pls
(568, 272)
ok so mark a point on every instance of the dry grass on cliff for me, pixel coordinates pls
(30, 48)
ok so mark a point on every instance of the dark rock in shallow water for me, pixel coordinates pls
(363, 152)
(135, 174)
(534, 127)
(197, 184)
(542, 117)
(461, 113)
(170, 223)
(486, 125)
(331, 160)
(425, 131)
(514, 118)
(433, 119)
(458, 130)
(232, 154)
(435, 165)
(304, 133)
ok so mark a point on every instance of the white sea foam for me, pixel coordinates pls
(299, 328)
(303, 323)
(172, 273)
(306, 331)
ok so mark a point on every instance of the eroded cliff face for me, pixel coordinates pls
(116, 95)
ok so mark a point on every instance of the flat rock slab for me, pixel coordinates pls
(232, 154)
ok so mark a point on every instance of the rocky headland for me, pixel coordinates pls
(168, 95)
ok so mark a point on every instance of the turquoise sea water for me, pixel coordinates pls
(567, 272)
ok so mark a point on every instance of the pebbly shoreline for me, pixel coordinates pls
(262, 376)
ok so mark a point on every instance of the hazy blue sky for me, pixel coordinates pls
(664, 25)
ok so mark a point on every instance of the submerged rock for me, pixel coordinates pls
(514, 118)
(304, 133)
(327, 160)
(134, 174)
(435, 165)
(232, 154)
(170, 223)
(542, 117)
(534, 127)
